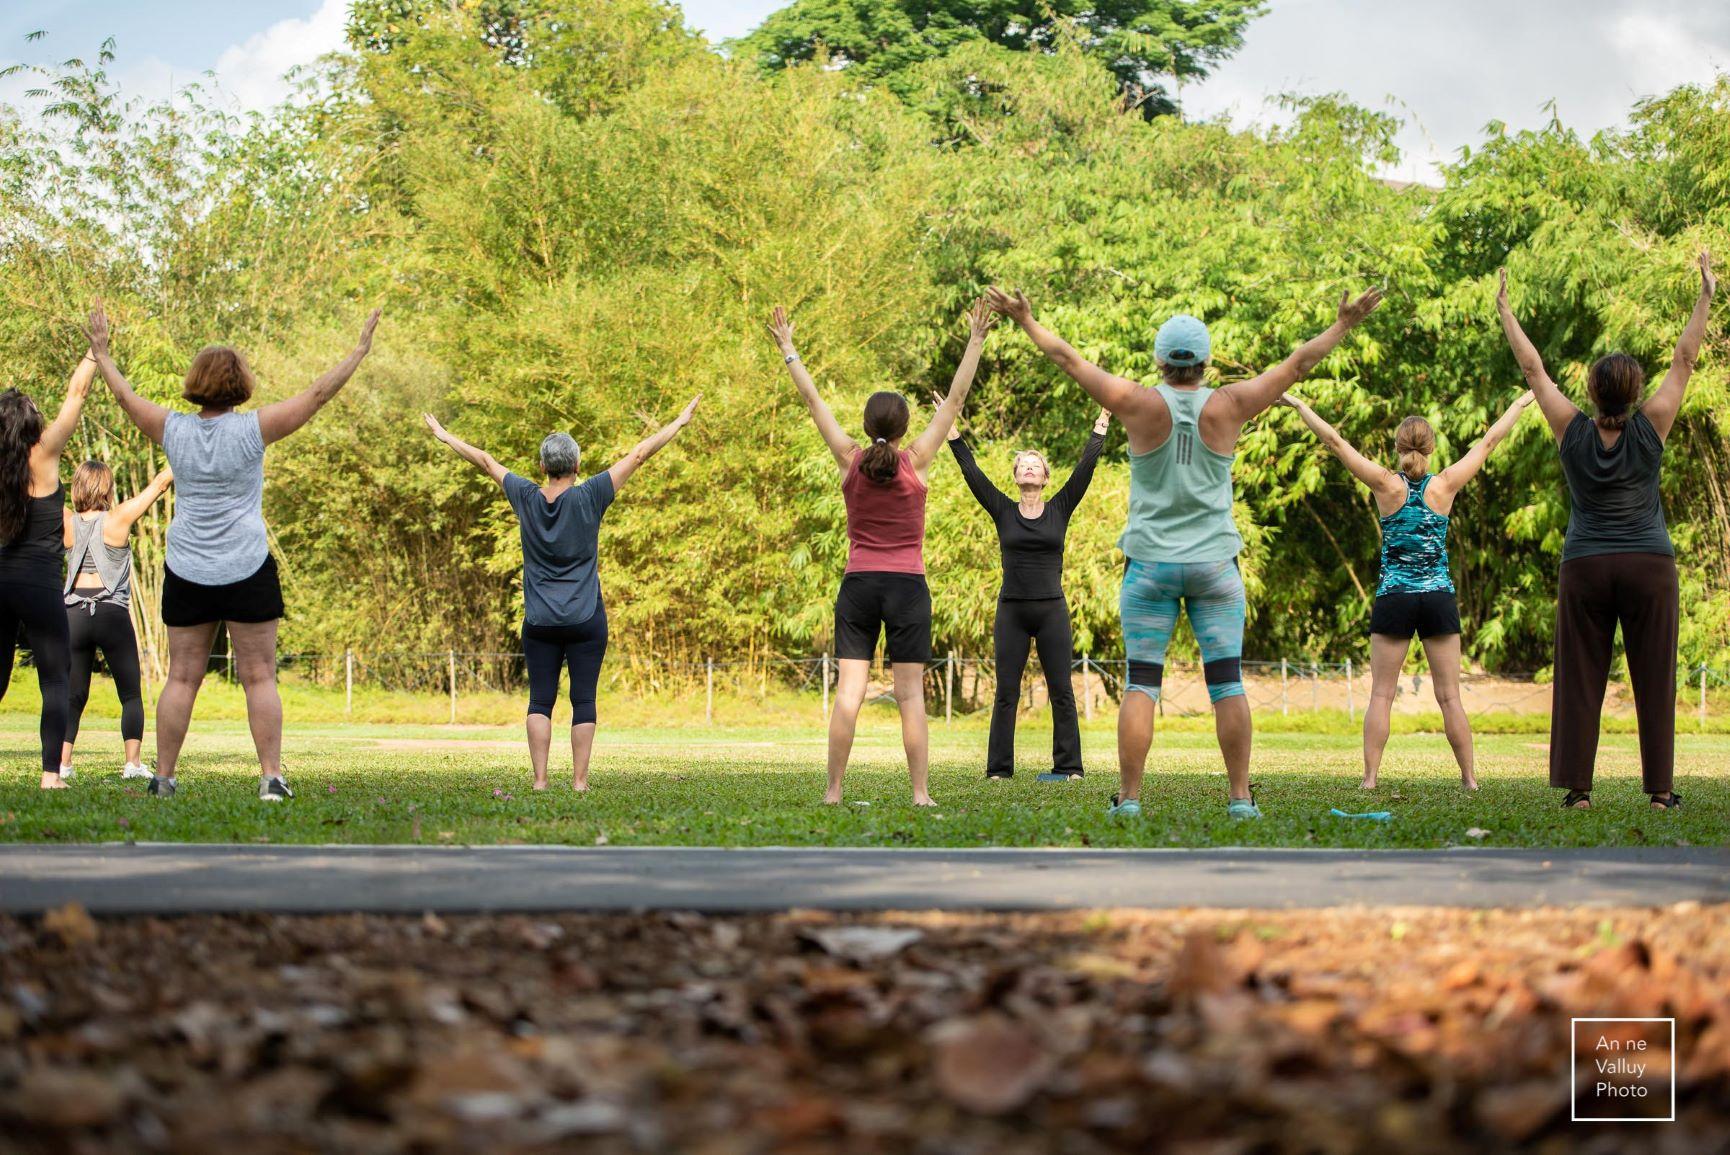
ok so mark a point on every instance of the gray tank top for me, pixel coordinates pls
(112, 563)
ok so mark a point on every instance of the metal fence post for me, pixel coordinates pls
(1284, 707)
(1086, 690)
(1351, 700)
(709, 691)
(348, 682)
(825, 684)
(451, 655)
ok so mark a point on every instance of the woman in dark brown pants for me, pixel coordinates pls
(1617, 563)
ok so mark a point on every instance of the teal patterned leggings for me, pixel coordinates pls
(1153, 595)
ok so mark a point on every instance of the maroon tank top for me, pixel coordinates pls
(885, 523)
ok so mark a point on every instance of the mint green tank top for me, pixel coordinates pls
(1180, 494)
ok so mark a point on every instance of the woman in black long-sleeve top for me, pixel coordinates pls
(1030, 605)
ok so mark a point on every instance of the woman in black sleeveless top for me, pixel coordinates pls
(1618, 564)
(32, 522)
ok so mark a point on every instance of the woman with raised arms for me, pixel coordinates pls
(883, 589)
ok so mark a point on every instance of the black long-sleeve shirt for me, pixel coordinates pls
(1032, 548)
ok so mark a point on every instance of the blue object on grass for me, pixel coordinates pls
(1369, 815)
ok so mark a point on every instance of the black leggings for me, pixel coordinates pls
(1044, 623)
(546, 648)
(109, 629)
(38, 612)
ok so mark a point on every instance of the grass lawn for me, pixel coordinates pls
(742, 787)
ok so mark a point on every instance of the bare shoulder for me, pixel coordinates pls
(1145, 417)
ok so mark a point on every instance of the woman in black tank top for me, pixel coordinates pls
(32, 523)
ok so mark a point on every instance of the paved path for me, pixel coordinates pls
(168, 878)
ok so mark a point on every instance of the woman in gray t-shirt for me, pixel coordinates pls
(564, 618)
(1618, 565)
(218, 568)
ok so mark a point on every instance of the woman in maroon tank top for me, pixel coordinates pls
(884, 587)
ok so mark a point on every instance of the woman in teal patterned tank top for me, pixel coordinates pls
(1415, 595)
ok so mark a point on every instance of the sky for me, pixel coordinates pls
(1446, 68)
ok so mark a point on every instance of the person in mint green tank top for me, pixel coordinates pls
(1180, 542)
(1415, 596)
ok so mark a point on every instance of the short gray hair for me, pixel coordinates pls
(559, 455)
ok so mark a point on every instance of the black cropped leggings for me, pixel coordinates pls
(1020, 625)
(36, 615)
(547, 648)
(109, 630)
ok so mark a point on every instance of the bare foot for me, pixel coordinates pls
(923, 800)
(1468, 782)
(1369, 782)
(580, 785)
(832, 796)
(54, 782)
(540, 784)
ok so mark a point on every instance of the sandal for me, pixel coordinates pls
(1672, 801)
(1575, 797)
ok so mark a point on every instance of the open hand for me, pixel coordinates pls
(1708, 280)
(97, 330)
(1103, 421)
(980, 320)
(1502, 289)
(432, 423)
(781, 328)
(1016, 308)
(684, 417)
(365, 344)
(1352, 312)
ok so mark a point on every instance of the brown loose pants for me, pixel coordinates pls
(1640, 591)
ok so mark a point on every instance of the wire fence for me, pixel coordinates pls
(955, 684)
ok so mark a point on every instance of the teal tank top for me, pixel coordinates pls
(1180, 494)
(1415, 546)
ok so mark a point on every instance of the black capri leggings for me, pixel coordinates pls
(109, 630)
(39, 614)
(546, 648)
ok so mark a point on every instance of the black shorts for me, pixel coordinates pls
(1433, 614)
(254, 599)
(897, 603)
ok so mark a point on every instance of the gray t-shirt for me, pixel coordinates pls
(217, 535)
(1613, 493)
(561, 539)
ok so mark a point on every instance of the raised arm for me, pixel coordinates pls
(147, 415)
(841, 445)
(1082, 475)
(1454, 477)
(122, 517)
(1109, 390)
(1558, 410)
(278, 420)
(479, 458)
(986, 494)
(1661, 410)
(1379, 478)
(1242, 401)
(621, 470)
(980, 319)
(59, 431)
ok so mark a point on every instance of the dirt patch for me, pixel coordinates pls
(1355, 1030)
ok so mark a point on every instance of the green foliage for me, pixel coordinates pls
(576, 217)
(1141, 43)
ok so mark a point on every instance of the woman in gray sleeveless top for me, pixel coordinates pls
(218, 569)
(98, 595)
(1618, 563)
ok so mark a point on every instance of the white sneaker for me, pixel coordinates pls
(131, 770)
(65, 773)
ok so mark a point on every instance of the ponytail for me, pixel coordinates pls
(1614, 383)
(20, 430)
(885, 421)
(1415, 443)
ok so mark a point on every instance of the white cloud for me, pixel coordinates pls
(252, 72)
